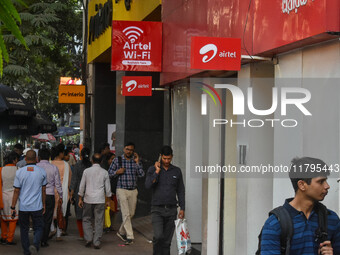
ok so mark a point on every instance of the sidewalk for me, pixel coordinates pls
(111, 244)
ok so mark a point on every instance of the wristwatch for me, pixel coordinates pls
(13, 208)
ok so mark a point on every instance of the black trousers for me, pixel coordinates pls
(48, 216)
(163, 223)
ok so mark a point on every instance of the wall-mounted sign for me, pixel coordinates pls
(136, 46)
(71, 94)
(70, 81)
(137, 86)
(213, 53)
(101, 21)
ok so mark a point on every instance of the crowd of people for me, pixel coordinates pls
(39, 185)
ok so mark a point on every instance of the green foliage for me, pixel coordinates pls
(9, 17)
(52, 30)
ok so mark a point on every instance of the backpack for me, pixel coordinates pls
(114, 180)
(287, 228)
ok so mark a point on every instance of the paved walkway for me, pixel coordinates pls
(111, 244)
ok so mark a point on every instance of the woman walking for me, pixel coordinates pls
(7, 175)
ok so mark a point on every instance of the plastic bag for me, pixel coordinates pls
(107, 221)
(182, 236)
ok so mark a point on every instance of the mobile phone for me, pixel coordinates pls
(160, 159)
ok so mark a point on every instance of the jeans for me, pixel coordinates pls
(163, 223)
(38, 227)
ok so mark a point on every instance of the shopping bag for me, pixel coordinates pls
(107, 221)
(182, 236)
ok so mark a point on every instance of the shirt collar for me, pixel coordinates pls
(292, 211)
(44, 161)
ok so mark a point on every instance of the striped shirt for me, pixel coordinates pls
(303, 241)
(127, 180)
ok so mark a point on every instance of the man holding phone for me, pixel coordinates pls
(166, 182)
(128, 172)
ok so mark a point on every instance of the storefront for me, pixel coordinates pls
(299, 43)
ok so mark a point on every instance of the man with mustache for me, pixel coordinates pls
(127, 192)
(309, 179)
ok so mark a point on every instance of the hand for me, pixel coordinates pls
(107, 204)
(121, 171)
(181, 214)
(61, 200)
(80, 203)
(13, 213)
(158, 167)
(136, 158)
(326, 248)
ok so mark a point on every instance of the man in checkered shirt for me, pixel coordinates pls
(127, 192)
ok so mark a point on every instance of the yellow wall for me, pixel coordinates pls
(139, 10)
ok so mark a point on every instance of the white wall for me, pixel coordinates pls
(317, 136)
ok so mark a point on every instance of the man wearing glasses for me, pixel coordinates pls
(127, 168)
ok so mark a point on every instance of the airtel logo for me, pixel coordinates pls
(131, 85)
(207, 48)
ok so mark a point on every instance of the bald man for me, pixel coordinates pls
(30, 187)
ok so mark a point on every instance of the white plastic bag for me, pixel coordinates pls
(182, 236)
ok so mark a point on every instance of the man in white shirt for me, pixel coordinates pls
(94, 185)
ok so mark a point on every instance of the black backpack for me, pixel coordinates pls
(114, 180)
(287, 228)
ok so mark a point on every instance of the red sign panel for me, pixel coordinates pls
(136, 46)
(213, 53)
(137, 86)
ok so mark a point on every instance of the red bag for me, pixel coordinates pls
(60, 218)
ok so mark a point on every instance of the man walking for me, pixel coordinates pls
(127, 172)
(309, 179)
(30, 188)
(53, 182)
(94, 185)
(166, 182)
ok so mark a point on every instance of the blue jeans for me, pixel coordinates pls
(38, 226)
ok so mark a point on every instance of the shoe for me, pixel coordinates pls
(64, 234)
(33, 250)
(97, 247)
(3, 241)
(122, 237)
(88, 244)
(129, 241)
(44, 244)
(11, 243)
(52, 233)
(58, 239)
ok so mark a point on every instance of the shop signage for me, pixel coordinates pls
(137, 86)
(127, 4)
(71, 94)
(136, 46)
(101, 21)
(213, 53)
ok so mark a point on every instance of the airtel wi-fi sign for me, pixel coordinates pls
(137, 86)
(213, 53)
(136, 46)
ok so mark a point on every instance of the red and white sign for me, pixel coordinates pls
(136, 46)
(137, 86)
(213, 53)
